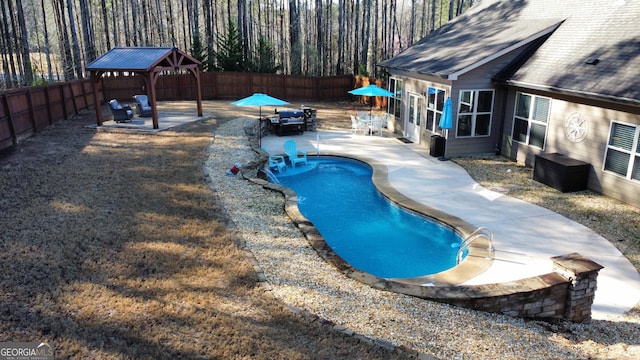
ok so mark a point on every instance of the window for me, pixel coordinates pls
(474, 113)
(435, 104)
(395, 102)
(530, 119)
(623, 150)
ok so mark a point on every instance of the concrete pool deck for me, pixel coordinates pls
(525, 235)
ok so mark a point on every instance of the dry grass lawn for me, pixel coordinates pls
(113, 246)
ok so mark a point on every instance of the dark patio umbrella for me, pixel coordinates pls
(259, 100)
(371, 90)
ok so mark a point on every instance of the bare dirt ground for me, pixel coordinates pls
(112, 245)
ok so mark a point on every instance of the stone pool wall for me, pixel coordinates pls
(566, 293)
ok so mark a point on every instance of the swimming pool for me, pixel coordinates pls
(365, 229)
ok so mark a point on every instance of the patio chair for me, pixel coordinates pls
(294, 154)
(357, 125)
(276, 162)
(385, 120)
(376, 125)
(121, 113)
(143, 107)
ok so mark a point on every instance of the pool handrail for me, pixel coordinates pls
(478, 233)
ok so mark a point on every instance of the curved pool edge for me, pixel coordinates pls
(439, 287)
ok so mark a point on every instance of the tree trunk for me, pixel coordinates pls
(320, 39)
(367, 33)
(451, 8)
(24, 45)
(340, 61)
(75, 43)
(8, 51)
(63, 40)
(208, 34)
(172, 23)
(433, 15)
(47, 49)
(87, 31)
(294, 37)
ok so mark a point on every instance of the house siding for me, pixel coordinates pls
(592, 149)
(480, 78)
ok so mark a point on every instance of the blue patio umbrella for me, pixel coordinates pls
(259, 100)
(371, 90)
(446, 121)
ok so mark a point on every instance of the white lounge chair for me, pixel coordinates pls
(357, 125)
(295, 156)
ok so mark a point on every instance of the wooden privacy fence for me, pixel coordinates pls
(25, 111)
(233, 85)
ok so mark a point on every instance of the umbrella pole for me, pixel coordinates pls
(260, 127)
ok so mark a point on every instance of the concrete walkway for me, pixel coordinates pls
(525, 235)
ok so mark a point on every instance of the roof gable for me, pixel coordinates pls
(141, 59)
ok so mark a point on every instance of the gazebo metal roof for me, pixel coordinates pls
(149, 62)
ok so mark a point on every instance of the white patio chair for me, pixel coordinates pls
(376, 125)
(357, 125)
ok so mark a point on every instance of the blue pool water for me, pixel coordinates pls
(365, 229)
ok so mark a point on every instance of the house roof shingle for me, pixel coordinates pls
(595, 29)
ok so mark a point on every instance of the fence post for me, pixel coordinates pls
(63, 101)
(32, 114)
(47, 99)
(12, 128)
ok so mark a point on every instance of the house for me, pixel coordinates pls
(527, 79)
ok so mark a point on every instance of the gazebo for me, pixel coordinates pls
(147, 62)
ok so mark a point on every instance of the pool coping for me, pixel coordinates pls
(478, 260)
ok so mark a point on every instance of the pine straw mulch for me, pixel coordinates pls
(113, 246)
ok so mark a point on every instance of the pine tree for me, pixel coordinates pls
(199, 52)
(230, 54)
(264, 59)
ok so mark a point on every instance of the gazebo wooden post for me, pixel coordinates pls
(153, 77)
(95, 78)
(196, 74)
